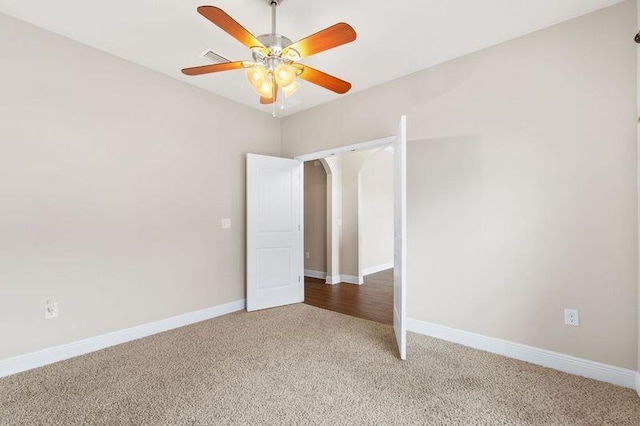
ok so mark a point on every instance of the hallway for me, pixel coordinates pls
(372, 300)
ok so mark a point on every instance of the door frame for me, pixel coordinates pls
(399, 187)
(332, 277)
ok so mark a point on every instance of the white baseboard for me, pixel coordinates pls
(638, 382)
(333, 279)
(375, 269)
(567, 363)
(43, 357)
(351, 279)
(315, 274)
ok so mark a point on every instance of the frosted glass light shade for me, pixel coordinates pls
(266, 88)
(285, 75)
(256, 76)
(290, 89)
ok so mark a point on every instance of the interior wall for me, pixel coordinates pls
(638, 145)
(540, 135)
(315, 217)
(376, 211)
(114, 181)
(333, 168)
(349, 252)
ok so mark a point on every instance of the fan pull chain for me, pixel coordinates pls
(273, 106)
(282, 103)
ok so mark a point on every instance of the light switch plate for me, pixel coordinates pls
(51, 310)
(226, 223)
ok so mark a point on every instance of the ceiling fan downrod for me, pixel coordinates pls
(274, 5)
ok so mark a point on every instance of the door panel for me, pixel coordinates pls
(400, 239)
(274, 237)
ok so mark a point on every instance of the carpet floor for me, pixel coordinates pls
(303, 365)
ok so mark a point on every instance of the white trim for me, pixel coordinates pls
(347, 279)
(375, 269)
(362, 146)
(315, 274)
(43, 357)
(562, 362)
(638, 383)
(351, 279)
(333, 279)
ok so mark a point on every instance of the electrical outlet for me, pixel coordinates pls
(225, 223)
(50, 310)
(307, 255)
(572, 317)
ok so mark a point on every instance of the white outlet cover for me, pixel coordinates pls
(225, 223)
(572, 317)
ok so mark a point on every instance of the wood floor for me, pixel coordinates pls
(372, 300)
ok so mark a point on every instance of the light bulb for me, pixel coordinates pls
(285, 75)
(290, 89)
(256, 76)
(266, 88)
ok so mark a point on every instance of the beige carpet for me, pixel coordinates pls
(303, 365)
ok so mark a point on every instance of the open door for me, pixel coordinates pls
(400, 238)
(275, 264)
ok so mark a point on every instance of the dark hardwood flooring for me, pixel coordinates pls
(372, 300)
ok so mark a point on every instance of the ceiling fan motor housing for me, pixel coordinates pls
(276, 44)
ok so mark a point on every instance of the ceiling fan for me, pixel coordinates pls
(275, 57)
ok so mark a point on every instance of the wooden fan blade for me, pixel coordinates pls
(325, 80)
(228, 24)
(272, 99)
(207, 69)
(331, 37)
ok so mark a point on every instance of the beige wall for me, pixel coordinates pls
(113, 182)
(522, 194)
(376, 211)
(349, 251)
(315, 216)
(350, 222)
(638, 136)
(333, 168)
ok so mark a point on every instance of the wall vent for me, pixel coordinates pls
(213, 57)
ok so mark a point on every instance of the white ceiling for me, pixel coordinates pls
(395, 37)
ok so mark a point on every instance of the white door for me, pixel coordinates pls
(400, 238)
(275, 264)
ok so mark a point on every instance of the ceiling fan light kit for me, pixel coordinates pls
(275, 63)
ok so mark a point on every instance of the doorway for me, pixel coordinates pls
(275, 249)
(350, 197)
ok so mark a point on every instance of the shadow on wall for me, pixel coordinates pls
(444, 215)
(315, 218)
(475, 236)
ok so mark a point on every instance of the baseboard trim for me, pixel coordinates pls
(333, 279)
(375, 269)
(351, 279)
(558, 361)
(315, 274)
(47, 356)
(638, 382)
(348, 279)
